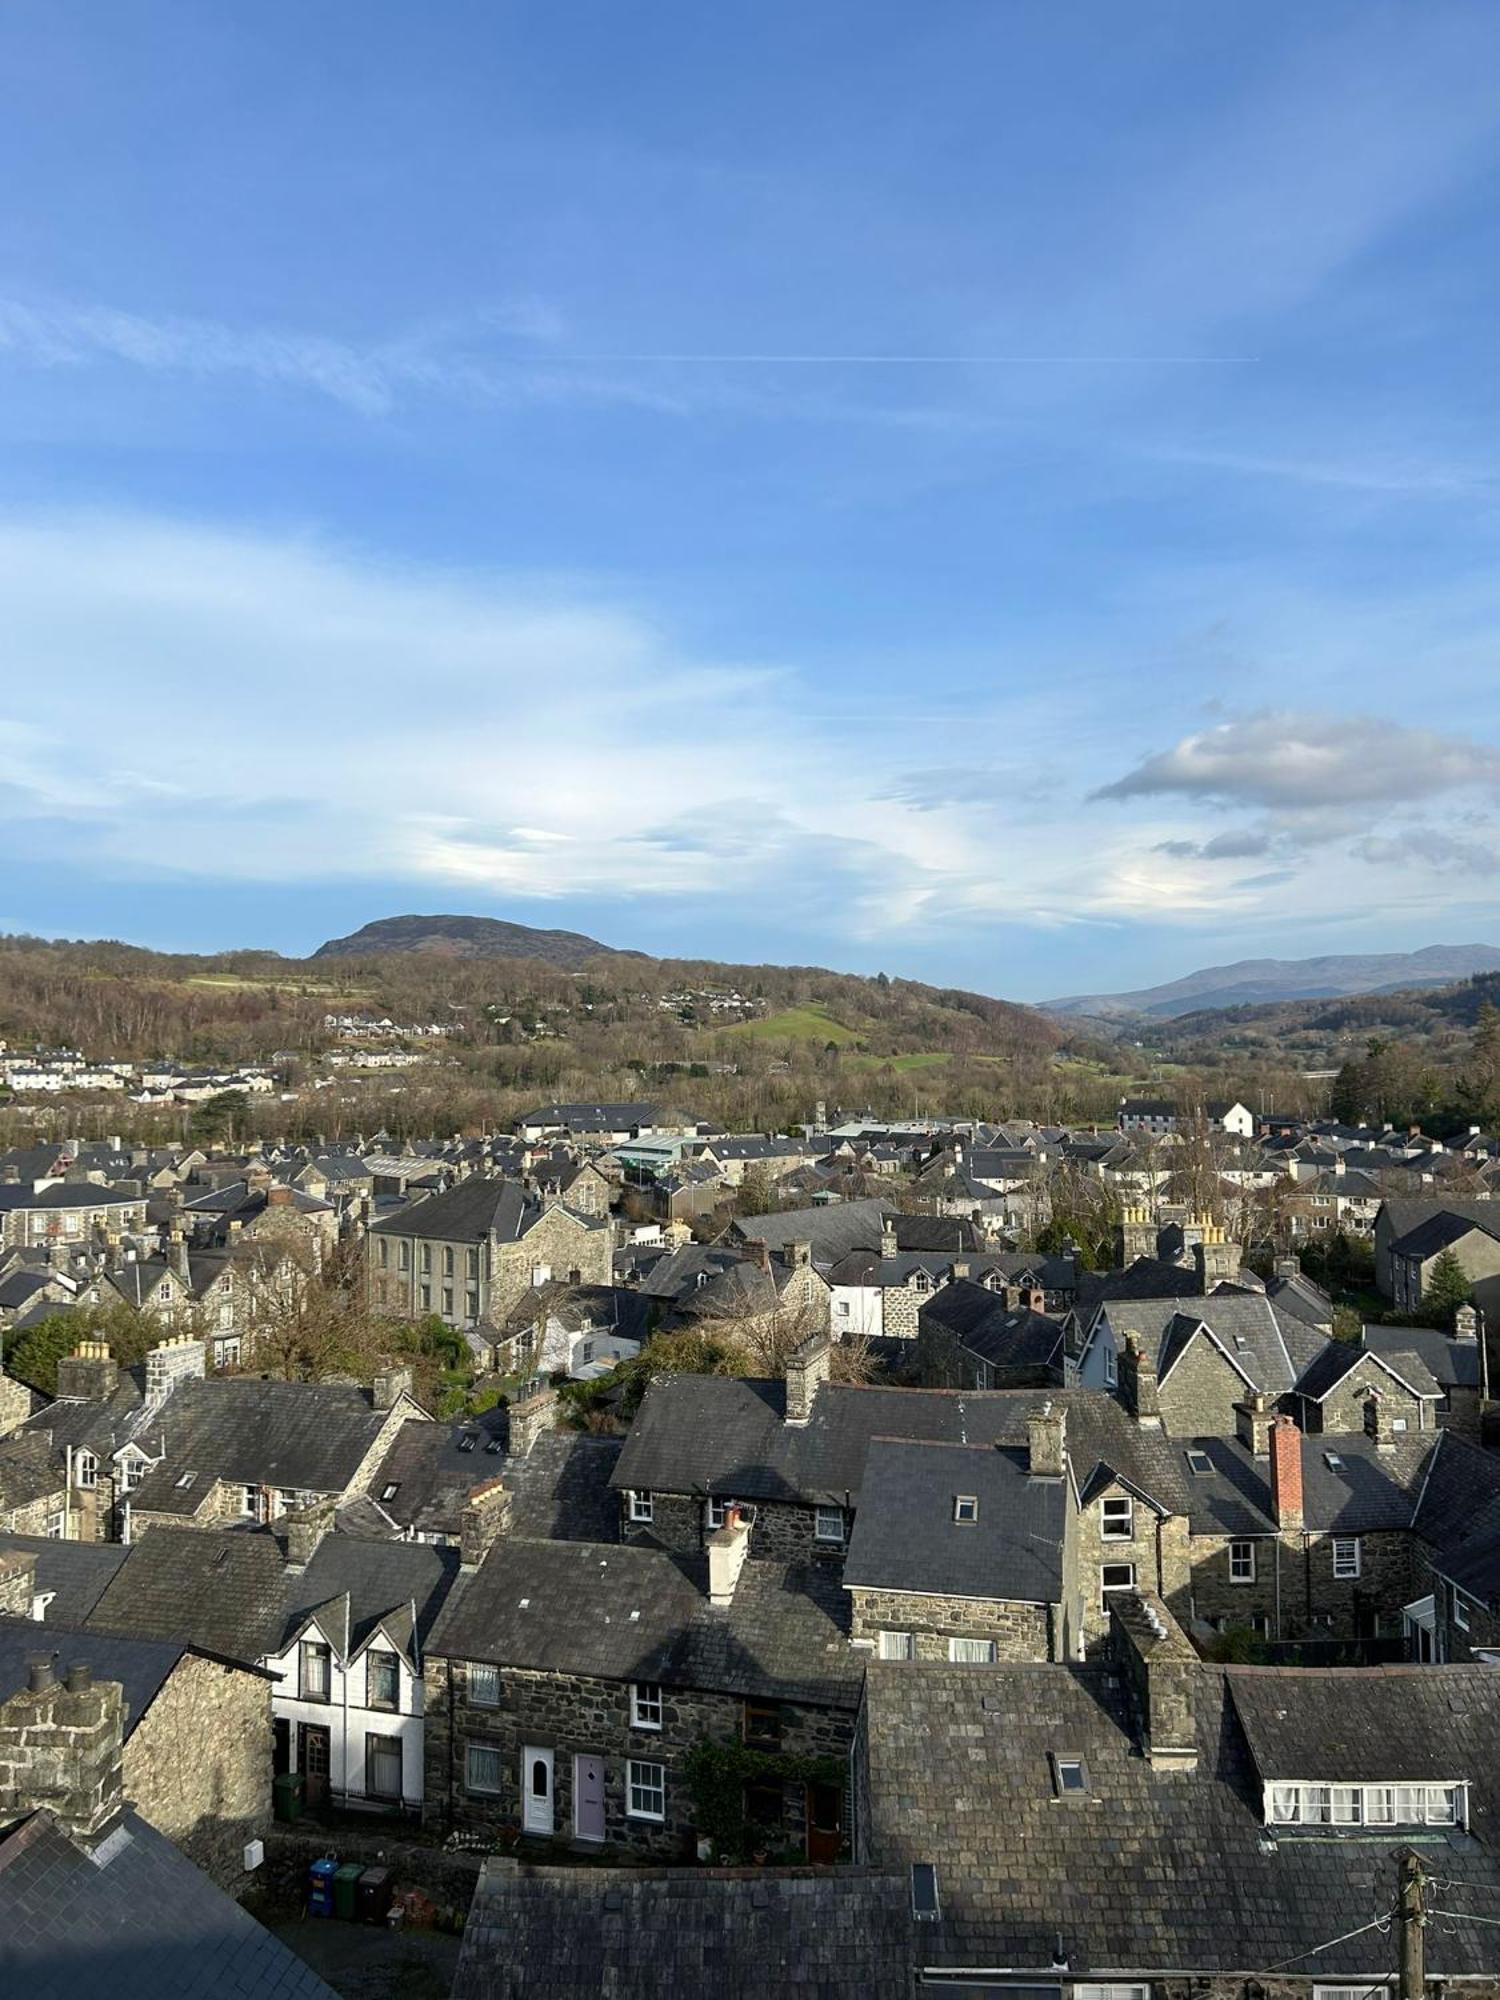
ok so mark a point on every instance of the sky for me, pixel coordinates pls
(1004, 494)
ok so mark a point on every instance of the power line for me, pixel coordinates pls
(1375, 1924)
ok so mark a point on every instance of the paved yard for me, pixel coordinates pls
(366, 1962)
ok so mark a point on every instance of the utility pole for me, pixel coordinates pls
(1412, 1919)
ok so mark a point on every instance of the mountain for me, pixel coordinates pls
(469, 937)
(1254, 981)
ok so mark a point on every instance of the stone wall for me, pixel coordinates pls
(1296, 1591)
(1021, 1631)
(1344, 1408)
(198, 1763)
(1199, 1395)
(783, 1531)
(1157, 1551)
(575, 1714)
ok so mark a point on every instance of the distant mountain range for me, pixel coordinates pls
(469, 937)
(1254, 981)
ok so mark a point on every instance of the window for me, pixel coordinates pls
(471, 1266)
(640, 1506)
(1366, 1991)
(383, 1767)
(925, 1906)
(895, 1646)
(134, 1473)
(1114, 1576)
(1070, 1780)
(471, 1305)
(249, 1499)
(966, 1507)
(382, 1680)
(88, 1469)
(645, 1705)
(972, 1652)
(385, 1253)
(55, 1525)
(1111, 1368)
(763, 1725)
(424, 1297)
(317, 1664)
(448, 1262)
(426, 1258)
(828, 1524)
(1460, 1612)
(1121, 1990)
(404, 1256)
(718, 1512)
(1199, 1463)
(390, 1489)
(1365, 1805)
(646, 1790)
(484, 1685)
(1242, 1562)
(1345, 1556)
(1117, 1518)
(481, 1769)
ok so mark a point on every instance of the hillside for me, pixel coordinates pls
(469, 937)
(1256, 981)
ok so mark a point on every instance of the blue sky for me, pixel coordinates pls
(995, 492)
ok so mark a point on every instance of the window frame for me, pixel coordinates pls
(960, 1659)
(640, 1506)
(1107, 1590)
(820, 1514)
(310, 1650)
(472, 1684)
(376, 1659)
(1242, 1543)
(478, 1791)
(656, 1785)
(762, 1725)
(893, 1645)
(1116, 1501)
(966, 1510)
(1342, 1573)
(646, 1706)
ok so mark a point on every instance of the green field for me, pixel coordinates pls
(902, 1065)
(798, 1024)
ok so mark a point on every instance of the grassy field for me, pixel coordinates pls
(798, 1024)
(902, 1065)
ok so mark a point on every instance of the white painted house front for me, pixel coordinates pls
(349, 1713)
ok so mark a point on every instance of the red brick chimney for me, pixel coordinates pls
(1286, 1473)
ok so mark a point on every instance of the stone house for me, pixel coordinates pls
(1350, 1388)
(1455, 1362)
(1148, 1824)
(264, 1213)
(569, 1683)
(33, 1487)
(967, 1338)
(472, 1253)
(1410, 1234)
(72, 1213)
(197, 1728)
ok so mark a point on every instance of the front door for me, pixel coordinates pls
(588, 1798)
(825, 1823)
(536, 1791)
(312, 1761)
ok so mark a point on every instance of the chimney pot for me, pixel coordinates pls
(80, 1677)
(41, 1674)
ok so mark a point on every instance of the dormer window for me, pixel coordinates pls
(966, 1508)
(1366, 1805)
(1117, 1518)
(88, 1469)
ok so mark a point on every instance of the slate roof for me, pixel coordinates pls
(1342, 1358)
(1246, 1327)
(134, 1919)
(476, 1208)
(1350, 1485)
(559, 1491)
(75, 1574)
(632, 1613)
(833, 1230)
(1453, 1364)
(218, 1590)
(1441, 1232)
(1369, 1725)
(372, 1580)
(1151, 1871)
(1404, 1215)
(679, 1934)
(1459, 1515)
(28, 1472)
(906, 1538)
(310, 1436)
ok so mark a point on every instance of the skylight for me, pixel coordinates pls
(966, 1507)
(390, 1489)
(1199, 1462)
(924, 1892)
(1332, 1460)
(1070, 1778)
(187, 1478)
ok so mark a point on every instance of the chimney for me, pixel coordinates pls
(1138, 1383)
(178, 1359)
(1046, 1434)
(1217, 1257)
(305, 1529)
(1379, 1416)
(88, 1373)
(960, 1268)
(533, 1413)
(280, 1196)
(799, 1255)
(888, 1239)
(1287, 1267)
(485, 1517)
(1161, 1669)
(759, 1253)
(177, 1255)
(727, 1548)
(1252, 1424)
(391, 1384)
(807, 1370)
(17, 1582)
(1137, 1234)
(1286, 1473)
(1466, 1323)
(1033, 1299)
(61, 1745)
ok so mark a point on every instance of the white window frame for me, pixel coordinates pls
(1241, 1560)
(718, 1513)
(645, 1705)
(1107, 1590)
(1342, 1559)
(645, 1780)
(1382, 1805)
(895, 1646)
(482, 1675)
(1111, 1368)
(86, 1466)
(1115, 1501)
(1460, 1608)
(966, 1652)
(473, 1750)
(966, 1509)
(1119, 1990)
(641, 1506)
(822, 1515)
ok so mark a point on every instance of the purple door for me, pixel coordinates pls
(588, 1798)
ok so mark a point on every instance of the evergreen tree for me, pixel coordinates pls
(1447, 1288)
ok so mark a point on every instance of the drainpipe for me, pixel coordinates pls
(1276, 1566)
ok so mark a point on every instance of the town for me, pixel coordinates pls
(845, 1543)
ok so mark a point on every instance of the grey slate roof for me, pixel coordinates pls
(906, 1538)
(1342, 1358)
(378, 1579)
(683, 1934)
(1350, 1485)
(75, 1574)
(560, 1490)
(1459, 1515)
(1453, 1364)
(134, 1919)
(632, 1613)
(479, 1207)
(218, 1590)
(141, 1666)
(1152, 1871)
(311, 1436)
(1404, 1216)
(1369, 1725)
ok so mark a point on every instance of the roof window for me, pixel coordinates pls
(1070, 1778)
(966, 1507)
(925, 1906)
(1199, 1462)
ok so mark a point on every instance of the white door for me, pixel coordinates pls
(536, 1790)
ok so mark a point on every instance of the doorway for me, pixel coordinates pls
(312, 1761)
(537, 1814)
(825, 1823)
(588, 1798)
